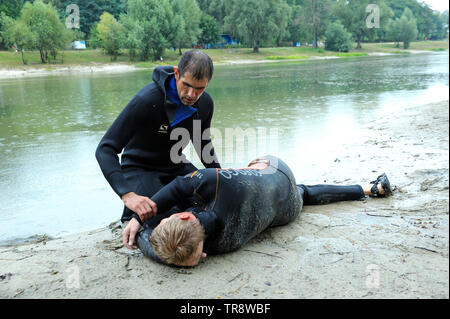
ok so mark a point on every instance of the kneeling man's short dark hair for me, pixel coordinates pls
(198, 63)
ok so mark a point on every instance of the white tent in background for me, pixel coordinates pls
(78, 45)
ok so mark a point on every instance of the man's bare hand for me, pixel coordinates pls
(141, 205)
(129, 234)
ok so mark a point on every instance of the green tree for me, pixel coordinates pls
(148, 27)
(353, 15)
(210, 32)
(283, 14)
(93, 41)
(17, 33)
(110, 34)
(422, 12)
(404, 29)
(297, 30)
(393, 32)
(218, 9)
(191, 14)
(178, 31)
(337, 38)
(131, 40)
(441, 25)
(254, 21)
(10, 8)
(315, 18)
(49, 33)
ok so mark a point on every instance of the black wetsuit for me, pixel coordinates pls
(142, 130)
(233, 206)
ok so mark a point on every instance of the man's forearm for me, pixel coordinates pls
(108, 161)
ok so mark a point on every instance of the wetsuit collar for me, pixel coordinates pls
(172, 92)
(182, 111)
(208, 221)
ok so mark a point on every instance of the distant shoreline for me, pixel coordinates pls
(44, 70)
(80, 69)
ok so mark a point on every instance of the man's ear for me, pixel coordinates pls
(177, 74)
(184, 217)
(203, 254)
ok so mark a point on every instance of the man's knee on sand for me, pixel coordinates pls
(179, 242)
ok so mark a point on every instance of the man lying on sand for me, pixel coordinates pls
(219, 210)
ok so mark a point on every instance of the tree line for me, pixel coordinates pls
(147, 27)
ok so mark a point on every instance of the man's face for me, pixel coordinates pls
(194, 259)
(189, 89)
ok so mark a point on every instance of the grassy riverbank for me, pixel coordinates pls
(70, 58)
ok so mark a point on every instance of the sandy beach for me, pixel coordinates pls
(397, 247)
(27, 72)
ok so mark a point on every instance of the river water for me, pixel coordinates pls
(50, 182)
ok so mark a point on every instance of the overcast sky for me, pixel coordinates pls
(440, 5)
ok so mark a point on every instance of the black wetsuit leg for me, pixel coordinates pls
(147, 183)
(324, 194)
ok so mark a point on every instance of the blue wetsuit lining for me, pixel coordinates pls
(183, 111)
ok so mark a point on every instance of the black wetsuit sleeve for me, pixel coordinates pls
(175, 193)
(199, 187)
(115, 139)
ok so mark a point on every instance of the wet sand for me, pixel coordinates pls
(397, 247)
